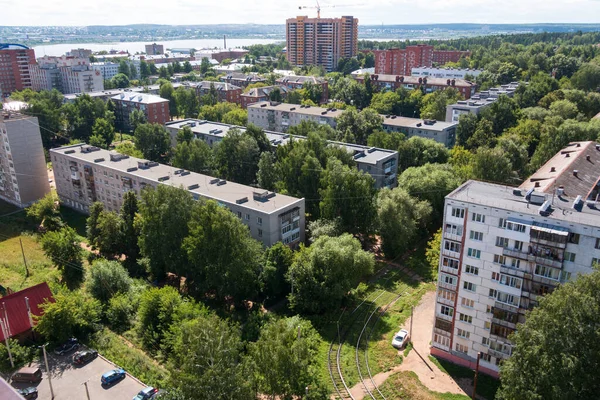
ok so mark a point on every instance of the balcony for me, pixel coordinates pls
(548, 242)
(451, 253)
(506, 307)
(450, 270)
(505, 269)
(497, 354)
(446, 302)
(453, 236)
(447, 286)
(504, 323)
(545, 261)
(514, 253)
(441, 332)
(444, 317)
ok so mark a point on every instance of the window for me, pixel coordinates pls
(461, 348)
(454, 229)
(450, 262)
(493, 293)
(476, 236)
(449, 279)
(507, 299)
(478, 218)
(467, 302)
(462, 333)
(547, 272)
(239, 214)
(516, 227)
(452, 246)
(485, 341)
(487, 325)
(597, 245)
(486, 357)
(474, 253)
(465, 318)
(507, 280)
(488, 309)
(471, 287)
(574, 238)
(458, 212)
(260, 233)
(570, 257)
(446, 294)
(448, 311)
(259, 221)
(469, 269)
(501, 242)
(498, 259)
(443, 340)
(515, 263)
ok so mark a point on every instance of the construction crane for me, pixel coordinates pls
(318, 7)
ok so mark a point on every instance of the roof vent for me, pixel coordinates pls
(184, 173)
(588, 157)
(598, 147)
(213, 181)
(242, 200)
(575, 172)
(567, 155)
(537, 184)
(552, 169)
(194, 186)
(578, 203)
(545, 208)
(163, 178)
(178, 171)
(70, 151)
(97, 160)
(221, 182)
(517, 192)
(578, 145)
(131, 169)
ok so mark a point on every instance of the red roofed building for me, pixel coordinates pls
(13, 309)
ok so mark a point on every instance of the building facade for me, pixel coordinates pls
(23, 175)
(225, 91)
(242, 80)
(381, 164)
(14, 67)
(66, 74)
(154, 49)
(427, 84)
(441, 132)
(402, 61)
(298, 82)
(155, 108)
(503, 248)
(447, 73)
(479, 101)
(85, 174)
(257, 95)
(321, 41)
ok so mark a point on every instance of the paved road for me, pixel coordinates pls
(67, 381)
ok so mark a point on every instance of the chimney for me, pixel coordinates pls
(587, 157)
(537, 184)
(224, 42)
(552, 169)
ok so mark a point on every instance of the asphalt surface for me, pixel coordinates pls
(67, 381)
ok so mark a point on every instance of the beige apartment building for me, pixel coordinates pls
(23, 175)
(85, 174)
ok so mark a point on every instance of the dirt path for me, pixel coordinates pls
(418, 359)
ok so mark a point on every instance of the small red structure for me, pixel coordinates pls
(15, 316)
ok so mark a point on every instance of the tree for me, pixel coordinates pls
(237, 157)
(144, 70)
(83, 113)
(492, 165)
(347, 65)
(324, 227)
(237, 117)
(187, 102)
(124, 68)
(128, 148)
(564, 319)
(71, 314)
(313, 92)
(107, 279)
(105, 130)
(46, 106)
(385, 102)
(434, 104)
(137, 118)
(467, 125)
(187, 67)
(278, 259)
(385, 140)
(369, 61)
(267, 175)
(206, 361)
(163, 72)
(564, 109)
(185, 135)
(130, 231)
(587, 77)
(157, 311)
(217, 112)
(63, 248)
(503, 114)
(418, 151)
(45, 212)
(285, 357)
(483, 135)
(223, 256)
(399, 217)
(166, 91)
(109, 239)
(120, 81)
(153, 141)
(432, 253)
(355, 127)
(195, 156)
(92, 231)
(323, 273)
(204, 65)
(275, 95)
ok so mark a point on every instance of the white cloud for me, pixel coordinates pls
(119, 12)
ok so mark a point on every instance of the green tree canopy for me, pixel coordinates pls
(153, 141)
(195, 156)
(237, 157)
(65, 251)
(107, 279)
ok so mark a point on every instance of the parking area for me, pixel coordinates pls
(67, 381)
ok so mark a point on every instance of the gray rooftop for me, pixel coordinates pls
(418, 123)
(142, 98)
(225, 192)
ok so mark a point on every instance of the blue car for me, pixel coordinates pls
(113, 376)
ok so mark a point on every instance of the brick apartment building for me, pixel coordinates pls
(155, 108)
(393, 82)
(14, 67)
(321, 41)
(298, 82)
(402, 61)
(256, 95)
(242, 80)
(154, 49)
(225, 91)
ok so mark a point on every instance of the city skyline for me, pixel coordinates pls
(373, 12)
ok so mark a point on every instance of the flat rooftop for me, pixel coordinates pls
(226, 191)
(408, 79)
(371, 155)
(142, 98)
(418, 123)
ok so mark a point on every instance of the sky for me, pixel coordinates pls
(369, 12)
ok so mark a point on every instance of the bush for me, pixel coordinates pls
(21, 355)
(107, 279)
(120, 312)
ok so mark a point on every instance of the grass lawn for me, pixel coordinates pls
(419, 264)
(405, 385)
(486, 385)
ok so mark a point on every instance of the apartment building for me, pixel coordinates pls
(14, 67)
(154, 49)
(381, 164)
(321, 41)
(225, 91)
(155, 108)
(402, 61)
(107, 69)
(85, 174)
(67, 74)
(428, 84)
(257, 95)
(504, 247)
(280, 116)
(23, 175)
(80, 53)
(479, 101)
(446, 73)
(298, 82)
(240, 79)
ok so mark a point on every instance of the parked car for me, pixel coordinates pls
(146, 393)
(28, 393)
(27, 374)
(67, 347)
(113, 376)
(400, 339)
(85, 356)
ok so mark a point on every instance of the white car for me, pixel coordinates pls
(400, 339)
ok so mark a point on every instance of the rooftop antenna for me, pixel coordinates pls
(224, 42)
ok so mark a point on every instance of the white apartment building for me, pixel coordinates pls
(504, 247)
(66, 74)
(446, 73)
(23, 175)
(107, 69)
(85, 174)
(381, 164)
(479, 101)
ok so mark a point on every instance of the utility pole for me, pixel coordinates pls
(412, 309)
(24, 260)
(87, 392)
(5, 334)
(29, 315)
(48, 371)
(475, 378)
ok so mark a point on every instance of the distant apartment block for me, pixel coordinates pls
(321, 41)
(393, 82)
(154, 49)
(402, 61)
(67, 74)
(225, 91)
(23, 175)
(479, 101)
(80, 53)
(85, 174)
(261, 94)
(447, 73)
(299, 82)
(107, 69)
(504, 247)
(242, 80)
(280, 116)
(220, 55)
(14, 67)
(155, 108)
(381, 164)
(107, 94)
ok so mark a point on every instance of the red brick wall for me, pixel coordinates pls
(460, 361)
(10, 76)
